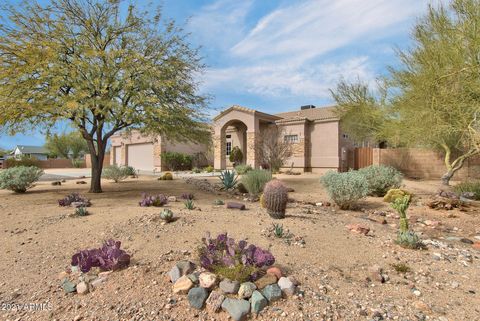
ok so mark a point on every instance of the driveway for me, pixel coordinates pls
(55, 174)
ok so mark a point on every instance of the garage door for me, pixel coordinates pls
(117, 155)
(140, 156)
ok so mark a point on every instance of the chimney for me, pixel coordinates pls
(307, 107)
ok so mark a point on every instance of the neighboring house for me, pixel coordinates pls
(143, 152)
(318, 143)
(38, 152)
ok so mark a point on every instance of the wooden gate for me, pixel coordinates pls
(363, 157)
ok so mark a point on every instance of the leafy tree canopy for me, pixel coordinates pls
(101, 68)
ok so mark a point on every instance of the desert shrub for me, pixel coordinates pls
(166, 177)
(241, 188)
(345, 189)
(75, 198)
(177, 161)
(236, 155)
(24, 161)
(153, 200)
(228, 179)
(470, 187)
(229, 259)
(209, 169)
(255, 180)
(196, 170)
(381, 178)
(243, 169)
(108, 258)
(116, 173)
(78, 163)
(130, 170)
(20, 178)
(187, 196)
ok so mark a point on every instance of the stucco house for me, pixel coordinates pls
(318, 142)
(143, 152)
(38, 152)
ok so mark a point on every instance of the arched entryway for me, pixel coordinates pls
(238, 126)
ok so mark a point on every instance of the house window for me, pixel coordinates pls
(291, 138)
(229, 148)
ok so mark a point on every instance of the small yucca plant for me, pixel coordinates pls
(189, 204)
(81, 211)
(278, 230)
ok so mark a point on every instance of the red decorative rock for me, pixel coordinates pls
(476, 245)
(275, 271)
(359, 229)
(235, 205)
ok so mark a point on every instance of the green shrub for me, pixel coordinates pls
(345, 189)
(177, 161)
(130, 171)
(255, 180)
(381, 178)
(196, 170)
(24, 161)
(19, 178)
(208, 169)
(78, 163)
(469, 187)
(236, 155)
(243, 169)
(116, 173)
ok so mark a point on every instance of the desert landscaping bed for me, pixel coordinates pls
(342, 275)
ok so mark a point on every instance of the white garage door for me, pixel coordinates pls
(140, 156)
(117, 155)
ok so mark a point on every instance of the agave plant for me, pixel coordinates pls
(229, 179)
(189, 204)
(278, 230)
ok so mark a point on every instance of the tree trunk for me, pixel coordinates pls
(447, 177)
(97, 167)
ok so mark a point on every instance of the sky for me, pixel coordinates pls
(276, 55)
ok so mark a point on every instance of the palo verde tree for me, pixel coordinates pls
(434, 94)
(102, 66)
(66, 145)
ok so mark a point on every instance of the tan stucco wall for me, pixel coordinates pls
(300, 149)
(121, 141)
(324, 145)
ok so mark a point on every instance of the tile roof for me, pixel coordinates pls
(25, 149)
(319, 113)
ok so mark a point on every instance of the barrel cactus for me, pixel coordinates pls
(275, 197)
(166, 215)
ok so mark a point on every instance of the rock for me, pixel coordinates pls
(476, 245)
(194, 277)
(197, 297)
(294, 280)
(265, 280)
(466, 241)
(207, 280)
(417, 292)
(174, 274)
(421, 306)
(376, 273)
(82, 288)
(214, 301)
(62, 275)
(275, 271)
(172, 198)
(286, 285)
(258, 302)
(359, 229)
(185, 267)
(235, 205)
(68, 286)
(81, 182)
(272, 292)
(229, 286)
(98, 281)
(56, 183)
(246, 290)
(454, 285)
(238, 309)
(182, 285)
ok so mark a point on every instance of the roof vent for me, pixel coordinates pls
(307, 107)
